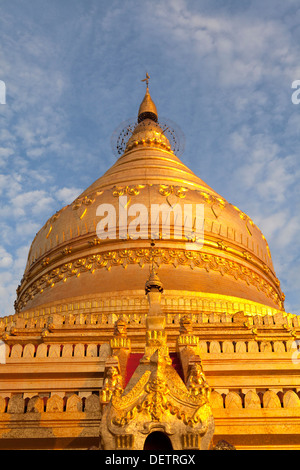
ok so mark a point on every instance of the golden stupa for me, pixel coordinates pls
(233, 267)
(90, 358)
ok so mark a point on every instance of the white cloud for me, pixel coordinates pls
(35, 152)
(67, 195)
(10, 185)
(6, 259)
(26, 229)
(4, 157)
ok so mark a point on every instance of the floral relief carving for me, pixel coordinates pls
(194, 259)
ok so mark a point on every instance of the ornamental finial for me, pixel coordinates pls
(147, 109)
(146, 79)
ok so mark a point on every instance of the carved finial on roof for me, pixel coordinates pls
(153, 282)
(146, 79)
(120, 327)
(147, 108)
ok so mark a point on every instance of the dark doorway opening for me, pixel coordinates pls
(157, 441)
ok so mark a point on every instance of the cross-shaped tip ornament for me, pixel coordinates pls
(146, 79)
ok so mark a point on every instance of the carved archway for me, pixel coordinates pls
(156, 402)
(158, 440)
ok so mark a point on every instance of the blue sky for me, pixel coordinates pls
(222, 70)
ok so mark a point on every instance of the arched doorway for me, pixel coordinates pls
(157, 441)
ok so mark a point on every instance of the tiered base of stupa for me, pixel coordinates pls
(57, 360)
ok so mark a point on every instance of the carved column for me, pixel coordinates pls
(120, 345)
(187, 346)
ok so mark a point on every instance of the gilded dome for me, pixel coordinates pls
(67, 261)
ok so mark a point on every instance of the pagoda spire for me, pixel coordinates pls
(147, 108)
